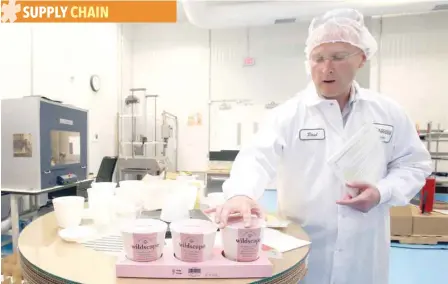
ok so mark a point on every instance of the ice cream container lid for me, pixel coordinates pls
(237, 222)
(145, 226)
(193, 226)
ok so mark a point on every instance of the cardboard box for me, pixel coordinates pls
(431, 224)
(401, 221)
(408, 221)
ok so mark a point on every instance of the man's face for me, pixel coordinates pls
(334, 66)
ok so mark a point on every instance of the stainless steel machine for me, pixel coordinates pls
(44, 144)
(144, 148)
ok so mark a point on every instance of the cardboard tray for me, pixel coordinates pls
(168, 266)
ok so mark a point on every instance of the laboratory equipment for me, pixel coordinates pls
(170, 136)
(434, 139)
(143, 149)
(44, 144)
(435, 136)
(136, 168)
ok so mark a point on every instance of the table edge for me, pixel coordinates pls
(44, 190)
(51, 275)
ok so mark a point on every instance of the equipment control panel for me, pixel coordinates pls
(67, 179)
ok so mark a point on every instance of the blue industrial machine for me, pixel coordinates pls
(44, 144)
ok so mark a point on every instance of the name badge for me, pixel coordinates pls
(312, 134)
(386, 131)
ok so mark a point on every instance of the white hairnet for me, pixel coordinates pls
(341, 25)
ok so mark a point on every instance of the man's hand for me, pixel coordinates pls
(238, 204)
(368, 197)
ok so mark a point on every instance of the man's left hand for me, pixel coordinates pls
(368, 197)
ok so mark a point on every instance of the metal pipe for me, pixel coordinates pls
(209, 90)
(437, 149)
(176, 122)
(238, 134)
(379, 64)
(176, 125)
(169, 114)
(155, 126)
(15, 221)
(155, 119)
(6, 225)
(133, 121)
(120, 40)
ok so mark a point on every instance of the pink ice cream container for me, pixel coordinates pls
(193, 239)
(144, 239)
(240, 243)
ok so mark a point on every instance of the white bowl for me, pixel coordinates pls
(69, 210)
(240, 243)
(144, 239)
(193, 239)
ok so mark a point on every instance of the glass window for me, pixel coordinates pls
(65, 147)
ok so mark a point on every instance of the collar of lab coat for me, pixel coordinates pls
(312, 98)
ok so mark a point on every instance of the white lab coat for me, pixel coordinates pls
(348, 246)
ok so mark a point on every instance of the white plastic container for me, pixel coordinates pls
(178, 203)
(144, 239)
(108, 185)
(129, 195)
(193, 239)
(131, 183)
(101, 205)
(69, 210)
(240, 243)
(155, 193)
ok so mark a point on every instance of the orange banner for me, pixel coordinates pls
(149, 11)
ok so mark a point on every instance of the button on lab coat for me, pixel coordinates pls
(293, 146)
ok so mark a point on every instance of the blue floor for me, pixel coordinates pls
(409, 264)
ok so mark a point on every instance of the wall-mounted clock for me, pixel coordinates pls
(95, 83)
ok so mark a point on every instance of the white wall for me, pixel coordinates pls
(411, 67)
(56, 61)
(413, 60)
(174, 60)
(278, 73)
(188, 67)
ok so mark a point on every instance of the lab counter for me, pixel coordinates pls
(15, 194)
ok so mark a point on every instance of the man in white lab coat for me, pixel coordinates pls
(349, 232)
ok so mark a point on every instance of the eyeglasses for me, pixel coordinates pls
(337, 57)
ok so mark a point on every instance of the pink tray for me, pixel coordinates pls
(170, 267)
